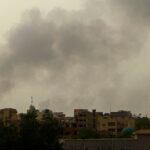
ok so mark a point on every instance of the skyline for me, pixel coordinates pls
(32, 107)
(75, 54)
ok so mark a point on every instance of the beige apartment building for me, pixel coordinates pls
(9, 116)
(115, 122)
(84, 118)
(109, 123)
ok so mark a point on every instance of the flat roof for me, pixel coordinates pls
(143, 132)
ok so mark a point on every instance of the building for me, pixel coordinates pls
(70, 129)
(9, 116)
(106, 124)
(59, 116)
(114, 122)
(85, 119)
(40, 114)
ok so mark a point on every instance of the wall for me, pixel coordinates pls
(108, 144)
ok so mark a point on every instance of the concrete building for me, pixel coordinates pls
(9, 116)
(85, 119)
(114, 122)
(59, 116)
(109, 123)
(40, 114)
(70, 129)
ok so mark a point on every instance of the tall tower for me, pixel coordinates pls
(31, 107)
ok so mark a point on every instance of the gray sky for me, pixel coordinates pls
(75, 54)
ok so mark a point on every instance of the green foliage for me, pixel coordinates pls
(8, 137)
(31, 134)
(87, 134)
(142, 122)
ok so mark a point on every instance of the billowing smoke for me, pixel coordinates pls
(91, 58)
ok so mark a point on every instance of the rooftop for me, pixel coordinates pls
(143, 132)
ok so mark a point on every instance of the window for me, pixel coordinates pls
(111, 130)
(119, 130)
(111, 123)
(80, 125)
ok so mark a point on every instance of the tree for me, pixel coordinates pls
(8, 137)
(39, 135)
(86, 133)
(31, 133)
(142, 122)
(49, 131)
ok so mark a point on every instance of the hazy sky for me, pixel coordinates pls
(11, 11)
(75, 54)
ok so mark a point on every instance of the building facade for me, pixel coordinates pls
(9, 116)
(114, 122)
(85, 119)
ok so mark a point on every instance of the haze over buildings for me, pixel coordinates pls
(75, 54)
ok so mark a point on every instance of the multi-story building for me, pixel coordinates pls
(115, 122)
(69, 121)
(106, 124)
(70, 129)
(59, 116)
(40, 114)
(85, 119)
(9, 116)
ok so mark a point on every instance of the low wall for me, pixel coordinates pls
(107, 144)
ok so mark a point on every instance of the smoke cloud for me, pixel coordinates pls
(91, 58)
